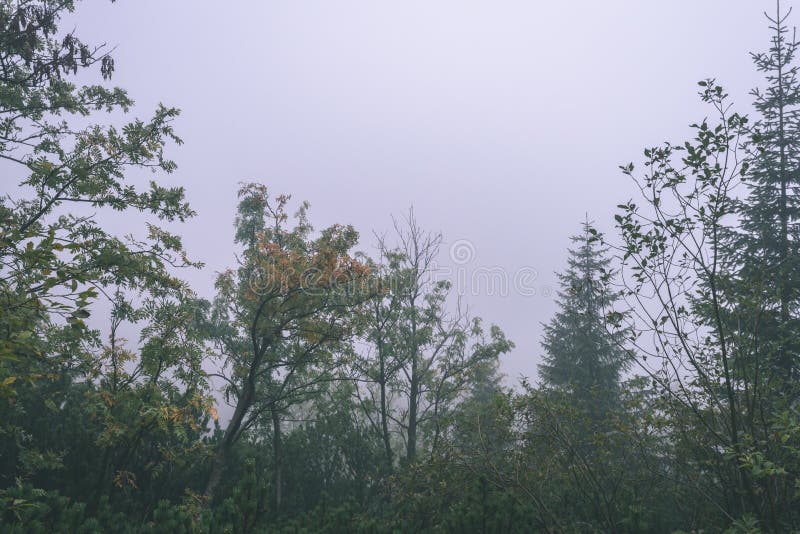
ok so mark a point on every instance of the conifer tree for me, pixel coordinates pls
(582, 357)
(765, 253)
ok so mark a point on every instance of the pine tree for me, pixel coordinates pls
(583, 358)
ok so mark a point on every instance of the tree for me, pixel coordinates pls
(671, 244)
(765, 249)
(151, 406)
(282, 319)
(583, 358)
(57, 381)
(380, 364)
(54, 262)
(698, 324)
(425, 354)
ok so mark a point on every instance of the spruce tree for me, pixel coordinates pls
(583, 358)
(766, 250)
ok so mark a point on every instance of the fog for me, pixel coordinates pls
(503, 123)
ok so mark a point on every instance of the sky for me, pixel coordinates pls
(502, 122)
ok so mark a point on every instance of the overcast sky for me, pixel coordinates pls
(502, 122)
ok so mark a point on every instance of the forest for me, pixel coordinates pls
(330, 387)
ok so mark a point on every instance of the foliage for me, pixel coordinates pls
(324, 390)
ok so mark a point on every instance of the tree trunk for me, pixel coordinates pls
(217, 469)
(231, 434)
(387, 445)
(277, 458)
(413, 408)
(411, 451)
